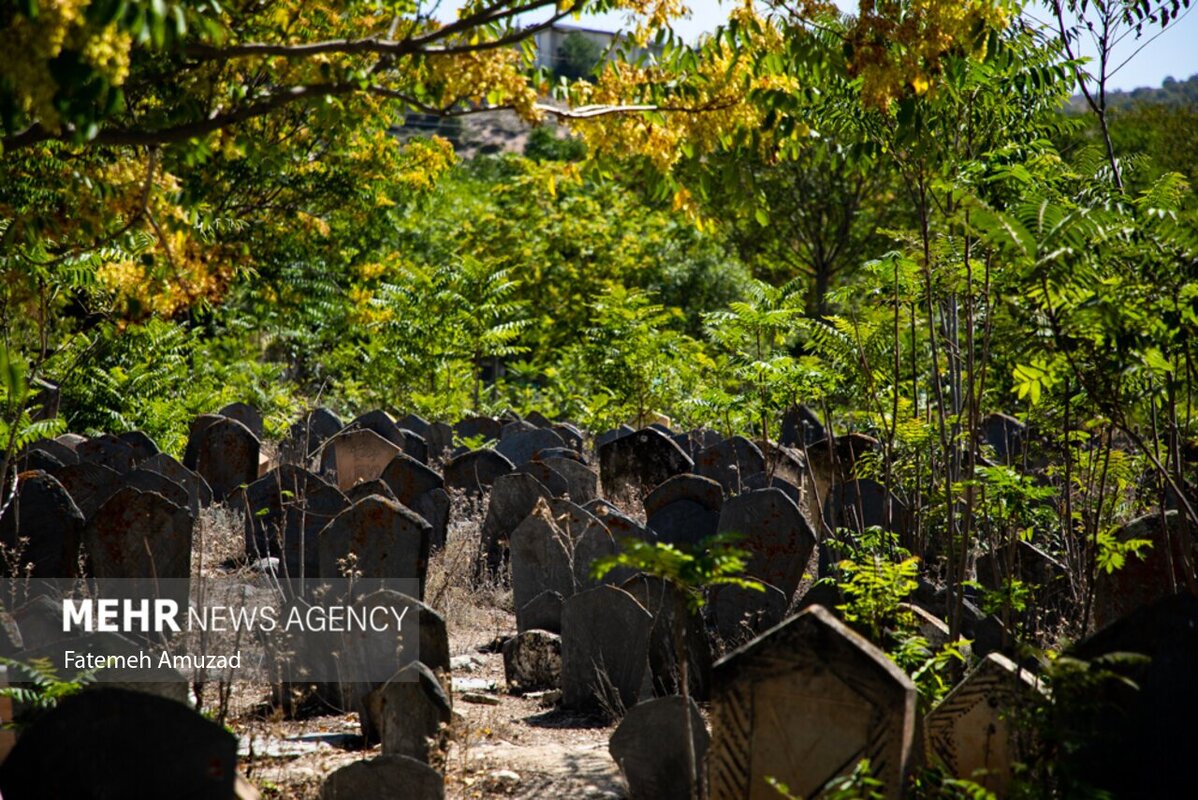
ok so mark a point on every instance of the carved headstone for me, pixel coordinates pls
(634, 464)
(685, 509)
(730, 462)
(376, 538)
(804, 703)
(226, 455)
(975, 731)
(43, 513)
(384, 776)
(409, 712)
(649, 747)
(475, 471)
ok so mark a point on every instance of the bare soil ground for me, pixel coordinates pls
(517, 747)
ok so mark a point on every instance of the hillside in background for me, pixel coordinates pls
(1172, 92)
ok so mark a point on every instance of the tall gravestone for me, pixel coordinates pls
(803, 704)
(776, 534)
(42, 526)
(356, 455)
(376, 538)
(605, 649)
(980, 729)
(685, 509)
(634, 464)
(226, 455)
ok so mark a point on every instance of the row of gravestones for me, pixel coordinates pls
(806, 702)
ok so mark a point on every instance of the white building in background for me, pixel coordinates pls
(549, 42)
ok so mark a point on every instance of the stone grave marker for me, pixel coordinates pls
(246, 414)
(804, 703)
(605, 649)
(381, 423)
(1143, 737)
(43, 512)
(667, 605)
(730, 462)
(284, 512)
(198, 491)
(607, 437)
(307, 435)
(475, 471)
(541, 561)
(865, 503)
(975, 730)
(409, 712)
(521, 446)
(582, 482)
(543, 612)
(800, 427)
(113, 743)
(226, 455)
(386, 540)
(146, 480)
(634, 464)
(107, 451)
(139, 535)
(739, 614)
(384, 776)
(414, 445)
(685, 509)
(471, 427)
(571, 434)
(1144, 579)
(89, 485)
(513, 498)
(649, 747)
(361, 491)
(356, 455)
(550, 478)
(775, 532)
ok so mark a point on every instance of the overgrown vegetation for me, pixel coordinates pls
(893, 218)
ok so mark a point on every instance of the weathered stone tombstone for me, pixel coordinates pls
(356, 455)
(832, 461)
(198, 491)
(37, 459)
(57, 450)
(307, 435)
(381, 423)
(226, 455)
(975, 730)
(414, 423)
(685, 509)
(543, 612)
(633, 465)
(535, 417)
(800, 427)
(432, 635)
(139, 535)
(809, 699)
(43, 513)
(775, 532)
(605, 649)
(376, 538)
(1146, 578)
(360, 491)
(475, 471)
(107, 451)
(649, 747)
(146, 480)
(384, 776)
(620, 524)
(513, 427)
(439, 438)
(89, 485)
(521, 446)
(730, 462)
(414, 445)
(607, 437)
(582, 482)
(115, 743)
(284, 512)
(421, 489)
(571, 434)
(550, 478)
(488, 428)
(1145, 734)
(739, 614)
(513, 498)
(865, 503)
(247, 415)
(667, 604)
(1007, 435)
(409, 712)
(763, 480)
(532, 660)
(541, 561)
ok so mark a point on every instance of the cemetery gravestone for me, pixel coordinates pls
(605, 649)
(804, 703)
(775, 532)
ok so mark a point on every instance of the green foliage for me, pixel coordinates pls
(544, 144)
(45, 688)
(714, 561)
(577, 56)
